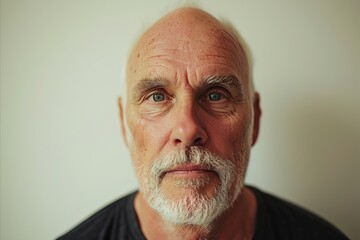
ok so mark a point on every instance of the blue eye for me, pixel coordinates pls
(158, 97)
(215, 96)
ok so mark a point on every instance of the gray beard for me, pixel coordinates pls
(194, 208)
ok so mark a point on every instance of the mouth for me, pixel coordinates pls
(189, 170)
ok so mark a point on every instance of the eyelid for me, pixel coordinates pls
(216, 89)
(152, 92)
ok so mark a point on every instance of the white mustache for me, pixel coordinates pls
(193, 155)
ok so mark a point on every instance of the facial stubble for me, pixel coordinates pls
(194, 207)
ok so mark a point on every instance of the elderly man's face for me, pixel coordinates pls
(188, 93)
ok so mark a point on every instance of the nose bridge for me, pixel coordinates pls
(188, 128)
(186, 111)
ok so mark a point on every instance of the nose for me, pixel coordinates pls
(188, 127)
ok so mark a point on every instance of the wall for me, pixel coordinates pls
(62, 156)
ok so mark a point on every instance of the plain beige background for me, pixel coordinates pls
(62, 156)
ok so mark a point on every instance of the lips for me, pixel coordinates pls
(188, 170)
(189, 167)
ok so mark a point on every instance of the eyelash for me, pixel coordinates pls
(156, 92)
(223, 94)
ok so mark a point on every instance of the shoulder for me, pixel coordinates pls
(109, 222)
(283, 220)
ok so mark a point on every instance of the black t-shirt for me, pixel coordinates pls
(276, 220)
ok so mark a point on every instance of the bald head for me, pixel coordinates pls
(178, 34)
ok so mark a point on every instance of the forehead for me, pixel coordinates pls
(190, 44)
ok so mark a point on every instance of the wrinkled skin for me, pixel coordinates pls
(173, 103)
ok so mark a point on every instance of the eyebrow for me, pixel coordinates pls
(229, 81)
(147, 84)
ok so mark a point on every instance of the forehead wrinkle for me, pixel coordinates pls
(174, 46)
(172, 55)
(161, 62)
(227, 42)
(222, 48)
(162, 40)
(163, 51)
(215, 57)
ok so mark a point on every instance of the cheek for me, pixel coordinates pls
(234, 136)
(148, 137)
(241, 128)
(137, 127)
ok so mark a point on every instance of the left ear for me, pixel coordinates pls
(122, 120)
(257, 115)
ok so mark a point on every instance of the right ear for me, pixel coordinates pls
(123, 121)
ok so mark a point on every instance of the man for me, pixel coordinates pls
(192, 116)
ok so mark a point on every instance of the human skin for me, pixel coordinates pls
(172, 104)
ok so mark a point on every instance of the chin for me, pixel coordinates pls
(187, 206)
(178, 188)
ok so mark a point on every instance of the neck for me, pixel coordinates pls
(238, 222)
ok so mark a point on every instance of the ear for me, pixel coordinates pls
(123, 121)
(257, 115)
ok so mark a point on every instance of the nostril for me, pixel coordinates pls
(198, 141)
